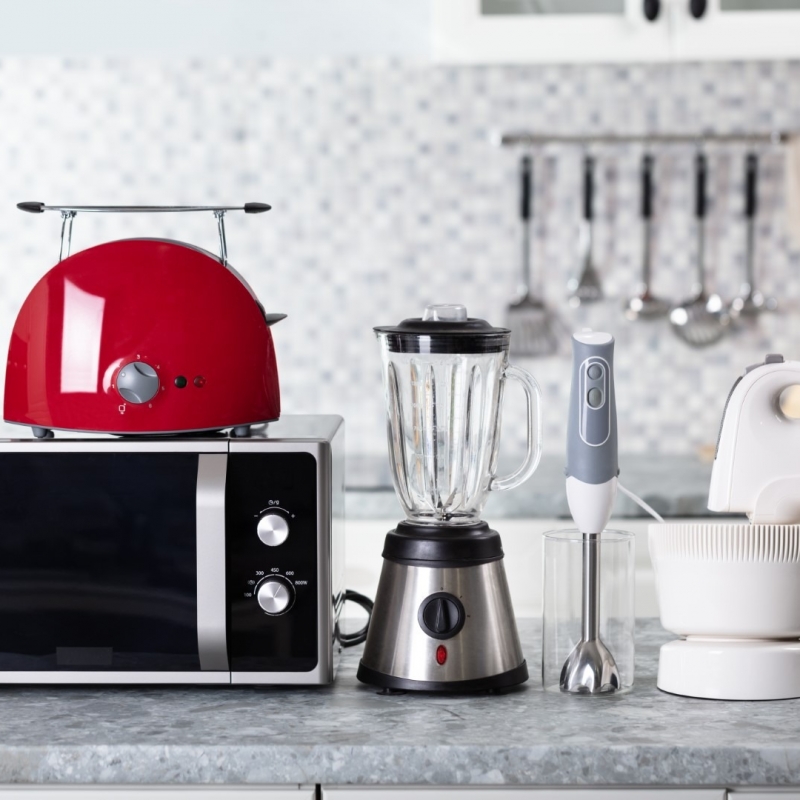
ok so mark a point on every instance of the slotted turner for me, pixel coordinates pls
(533, 325)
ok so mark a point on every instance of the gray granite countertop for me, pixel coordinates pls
(675, 486)
(350, 733)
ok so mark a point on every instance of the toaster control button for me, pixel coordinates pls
(272, 529)
(275, 595)
(137, 382)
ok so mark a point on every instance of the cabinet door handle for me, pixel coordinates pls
(652, 8)
(697, 8)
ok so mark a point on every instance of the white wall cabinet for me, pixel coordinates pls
(480, 31)
(504, 793)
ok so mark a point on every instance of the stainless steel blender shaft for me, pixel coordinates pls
(590, 616)
(590, 668)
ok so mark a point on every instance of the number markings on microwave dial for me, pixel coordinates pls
(288, 575)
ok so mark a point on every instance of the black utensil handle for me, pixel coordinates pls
(652, 8)
(647, 186)
(751, 176)
(700, 169)
(526, 187)
(588, 187)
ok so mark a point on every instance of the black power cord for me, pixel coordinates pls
(352, 639)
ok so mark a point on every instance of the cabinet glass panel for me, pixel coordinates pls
(759, 5)
(551, 7)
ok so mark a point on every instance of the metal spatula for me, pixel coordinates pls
(533, 325)
(587, 287)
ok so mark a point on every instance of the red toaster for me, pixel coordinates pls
(141, 336)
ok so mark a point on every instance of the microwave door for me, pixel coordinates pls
(99, 560)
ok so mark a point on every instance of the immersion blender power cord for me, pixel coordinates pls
(638, 500)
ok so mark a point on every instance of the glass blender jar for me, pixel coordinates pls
(444, 377)
(443, 618)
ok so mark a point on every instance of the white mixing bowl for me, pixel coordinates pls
(728, 579)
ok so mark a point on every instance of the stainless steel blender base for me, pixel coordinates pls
(443, 627)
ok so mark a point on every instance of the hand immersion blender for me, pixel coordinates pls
(592, 470)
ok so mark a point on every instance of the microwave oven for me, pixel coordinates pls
(191, 559)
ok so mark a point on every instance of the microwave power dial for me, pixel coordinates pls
(275, 595)
(272, 529)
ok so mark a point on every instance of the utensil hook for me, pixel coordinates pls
(223, 244)
(66, 234)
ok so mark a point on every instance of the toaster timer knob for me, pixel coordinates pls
(275, 595)
(137, 382)
(273, 529)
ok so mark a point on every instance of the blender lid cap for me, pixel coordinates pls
(445, 328)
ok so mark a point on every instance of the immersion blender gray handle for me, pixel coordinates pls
(592, 425)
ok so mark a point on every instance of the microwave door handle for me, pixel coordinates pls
(212, 645)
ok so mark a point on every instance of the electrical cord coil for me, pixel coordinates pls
(359, 636)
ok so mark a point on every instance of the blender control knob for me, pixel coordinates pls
(137, 382)
(275, 595)
(273, 529)
(441, 615)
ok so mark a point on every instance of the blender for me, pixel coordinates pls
(443, 619)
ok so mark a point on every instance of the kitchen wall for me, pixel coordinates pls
(388, 194)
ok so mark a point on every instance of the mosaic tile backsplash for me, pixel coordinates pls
(388, 195)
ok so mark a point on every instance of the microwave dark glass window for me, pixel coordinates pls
(283, 484)
(98, 561)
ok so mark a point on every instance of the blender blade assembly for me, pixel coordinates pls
(443, 619)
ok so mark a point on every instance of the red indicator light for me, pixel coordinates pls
(441, 654)
(199, 381)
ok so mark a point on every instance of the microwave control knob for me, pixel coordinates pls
(273, 529)
(137, 382)
(275, 595)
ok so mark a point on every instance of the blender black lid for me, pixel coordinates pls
(445, 329)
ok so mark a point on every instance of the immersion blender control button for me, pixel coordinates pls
(137, 382)
(595, 371)
(441, 615)
(595, 398)
(275, 595)
(272, 529)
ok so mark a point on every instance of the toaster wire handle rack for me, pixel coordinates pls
(68, 214)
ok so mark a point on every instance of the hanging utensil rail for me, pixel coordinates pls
(531, 139)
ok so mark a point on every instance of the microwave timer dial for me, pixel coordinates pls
(275, 595)
(272, 529)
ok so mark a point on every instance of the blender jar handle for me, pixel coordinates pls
(533, 396)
